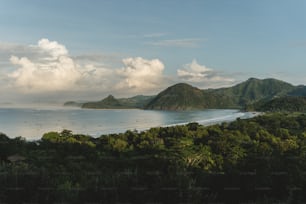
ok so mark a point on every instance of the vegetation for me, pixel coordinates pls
(261, 160)
(255, 89)
(287, 103)
(73, 103)
(185, 97)
(111, 102)
(178, 97)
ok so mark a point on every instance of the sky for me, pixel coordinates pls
(59, 50)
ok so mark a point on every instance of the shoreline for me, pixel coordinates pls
(96, 132)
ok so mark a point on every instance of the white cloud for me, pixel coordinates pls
(194, 72)
(39, 77)
(47, 68)
(52, 48)
(141, 74)
(96, 79)
(202, 75)
(55, 72)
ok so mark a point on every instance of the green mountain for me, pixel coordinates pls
(73, 103)
(285, 103)
(106, 103)
(298, 91)
(184, 96)
(138, 101)
(255, 89)
(178, 97)
(111, 102)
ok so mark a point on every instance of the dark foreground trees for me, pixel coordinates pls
(260, 160)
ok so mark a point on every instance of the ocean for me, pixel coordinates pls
(31, 123)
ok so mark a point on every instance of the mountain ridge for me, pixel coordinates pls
(180, 96)
(110, 102)
(183, 96)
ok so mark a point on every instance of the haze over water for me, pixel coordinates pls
(32, 123)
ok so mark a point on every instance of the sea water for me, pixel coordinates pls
(32, 123)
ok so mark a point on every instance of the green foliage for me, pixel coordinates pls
(66, 136)
(189, 163)
(251, 94)
(288, 104)
(111, 102)
(184, 97)
(117, 144)
(178, 97)
(51, 137)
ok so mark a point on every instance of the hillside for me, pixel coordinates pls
(287, 103)
(255, 89)
(178, 97)
(73, 103)
(186, 97)
(298, 91)
(138, 101)
(108, 102)
(111, 102)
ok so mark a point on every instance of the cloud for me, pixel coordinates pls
(47, 68)
(57, 75)
(96, 79)
(193, 72)
(55, 71)
(184, 43)
(8, 49)
(52, 48)
(141, 74)
(202, 75)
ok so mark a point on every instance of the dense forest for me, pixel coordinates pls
(258, 160)
(286, 103)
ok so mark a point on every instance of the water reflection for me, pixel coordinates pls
(32, 123)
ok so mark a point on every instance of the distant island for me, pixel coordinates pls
(182, 96)
(111, 102)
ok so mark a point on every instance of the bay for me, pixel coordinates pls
(31, 123)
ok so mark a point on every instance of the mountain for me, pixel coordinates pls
(111, 102)
(255, 89)
(183, 96)
(106, 103)
(73, 103)
(285, 103)
(138, 101)
(178, 97)
(298, 91)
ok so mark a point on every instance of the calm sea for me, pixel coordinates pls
(32, 123)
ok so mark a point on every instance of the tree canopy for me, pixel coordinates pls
(262, 160)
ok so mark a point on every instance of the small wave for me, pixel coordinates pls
(216, 120)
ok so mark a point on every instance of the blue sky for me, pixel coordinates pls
(111, 45)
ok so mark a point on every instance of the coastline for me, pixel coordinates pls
(97, 123)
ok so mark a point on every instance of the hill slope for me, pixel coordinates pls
(255, 89)
(178, 97)
(111, 102)
(286, 103)
(108, 102)
(184, 97)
